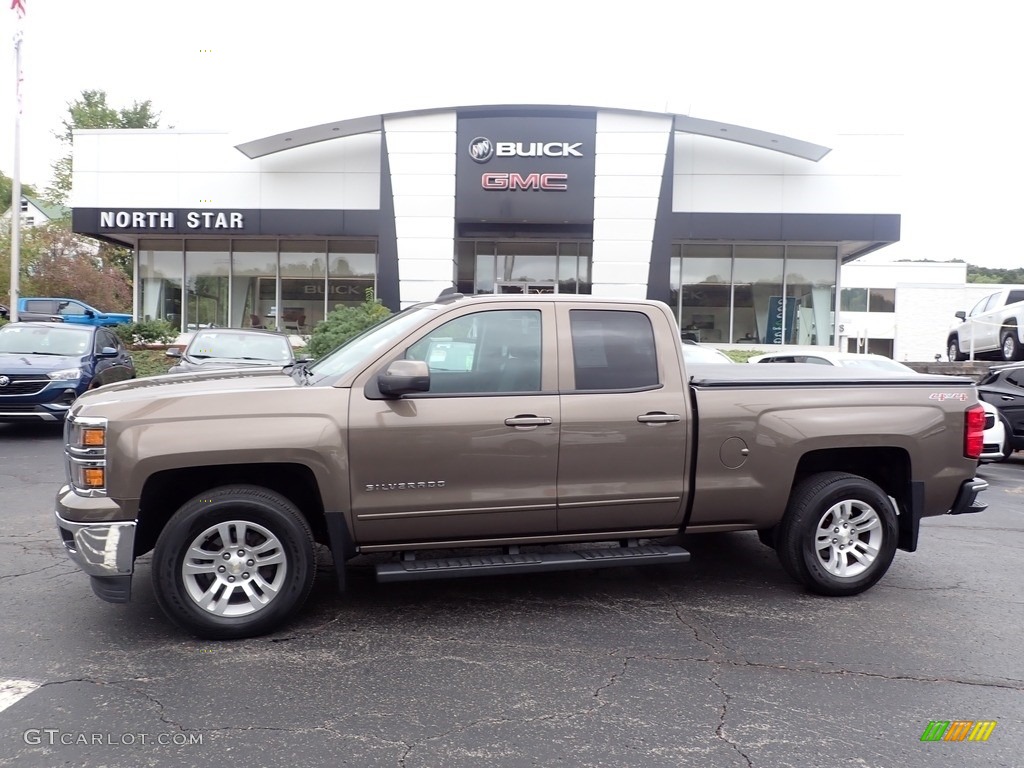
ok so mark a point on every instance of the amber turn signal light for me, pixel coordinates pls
(94, 477)
(94, 438)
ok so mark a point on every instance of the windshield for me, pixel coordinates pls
(369, 343)
(18, 339)
(226, 345)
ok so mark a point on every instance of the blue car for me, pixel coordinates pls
(67, 311)
(44, 367)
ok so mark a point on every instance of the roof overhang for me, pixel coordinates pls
(314, 134)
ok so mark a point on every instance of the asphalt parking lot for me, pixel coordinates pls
(721, 662)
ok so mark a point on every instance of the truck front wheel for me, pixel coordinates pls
(233, 562)
(838, 536)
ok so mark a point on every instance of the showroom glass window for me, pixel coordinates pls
(207, 269)
(701, 292)
(810, 284)
(351, 272)
(160, 265)
(303, 276)
(754, 293)
(253, 283)
(760, 309)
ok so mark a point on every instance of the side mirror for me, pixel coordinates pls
(108, 352)
(403, 377)
(173, 352)
(90, 313)
(961, 314)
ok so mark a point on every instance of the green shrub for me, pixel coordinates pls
(742, 355)
(146, 332)
(3, 321)
(342, 324)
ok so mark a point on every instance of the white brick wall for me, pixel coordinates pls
(421, 153)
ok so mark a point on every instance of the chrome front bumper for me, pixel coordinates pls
(105, 551)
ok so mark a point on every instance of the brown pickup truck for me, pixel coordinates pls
(499, 434)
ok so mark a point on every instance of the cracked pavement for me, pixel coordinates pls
(721, 662)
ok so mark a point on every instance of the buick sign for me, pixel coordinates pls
(481, 149)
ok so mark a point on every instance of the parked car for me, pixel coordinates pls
(831, 357)
(5, 313)
(996, 442)
(994, 328)
(69, 311)
(1003, 387)
(698, 354)
(44, 367)
(219, 348)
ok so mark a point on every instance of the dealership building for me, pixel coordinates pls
(741, 231)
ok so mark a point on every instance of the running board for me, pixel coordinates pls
(533, 562)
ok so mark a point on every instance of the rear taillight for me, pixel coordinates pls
(974, 431)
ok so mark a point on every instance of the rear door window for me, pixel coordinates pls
(613, 350)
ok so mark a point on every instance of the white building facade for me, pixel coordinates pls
(741, 231)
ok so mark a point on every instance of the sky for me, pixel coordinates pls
(944, 75)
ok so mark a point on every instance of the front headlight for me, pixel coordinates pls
(68, 374)
(85, 451)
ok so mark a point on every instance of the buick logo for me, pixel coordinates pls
(481, 149)
(4, 381)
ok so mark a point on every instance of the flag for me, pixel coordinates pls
(18, 6)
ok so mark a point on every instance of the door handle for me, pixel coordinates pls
(1007, 399)
(658, 418)
(528, 421)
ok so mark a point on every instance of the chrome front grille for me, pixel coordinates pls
(23, 384)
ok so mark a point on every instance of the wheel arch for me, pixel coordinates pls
(165, 492)
(887, 467)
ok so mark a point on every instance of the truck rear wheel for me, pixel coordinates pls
(838, 536)
(1009, 345)
(953, 353)
(234, 562)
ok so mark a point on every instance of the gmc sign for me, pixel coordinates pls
(513, 181)
(534, 166)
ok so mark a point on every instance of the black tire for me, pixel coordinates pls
(853, 560)
(953, 353)
(263, 526)
(1009, 345)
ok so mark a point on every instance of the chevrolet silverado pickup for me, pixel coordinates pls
(489, 435)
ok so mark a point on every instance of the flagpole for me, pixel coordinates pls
(16, 181)
(15, 190)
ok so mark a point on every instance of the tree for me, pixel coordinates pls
(343, 323)
(7, 189)
(57, 262)
(92, 111)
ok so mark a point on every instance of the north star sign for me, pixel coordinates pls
(167, 220)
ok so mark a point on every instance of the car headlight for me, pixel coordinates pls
(85, 451)
(68, 374)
